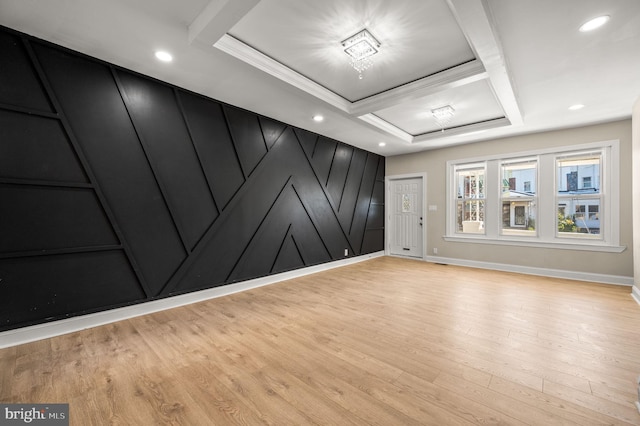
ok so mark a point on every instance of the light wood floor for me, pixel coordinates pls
(388, 341)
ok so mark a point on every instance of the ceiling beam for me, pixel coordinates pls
(451, 78)
(381, 124)
(462, 130)
(477, 24)
(217, 18)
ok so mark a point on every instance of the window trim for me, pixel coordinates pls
(546, 224)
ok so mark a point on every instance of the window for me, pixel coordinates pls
(470, 184)
(576, 220)
(519, 202)
(561, 198)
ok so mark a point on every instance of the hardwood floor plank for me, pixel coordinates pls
(558, 407)
(622, 412)
(470, 410)
(505, 404)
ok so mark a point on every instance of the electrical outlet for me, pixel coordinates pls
(346, 252)
(435, 250)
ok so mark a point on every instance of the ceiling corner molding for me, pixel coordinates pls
(387, 127)
(451, 78)
(462, 130)
(217, 18)
(259, 60)
(477, 24)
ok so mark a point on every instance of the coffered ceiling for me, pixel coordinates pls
(506, 67)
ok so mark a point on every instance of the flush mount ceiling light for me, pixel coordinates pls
(594, 23)
(443, 115)
(361, 47)
(576, 107)
(164, 56)
(382, 144)
(318, 118)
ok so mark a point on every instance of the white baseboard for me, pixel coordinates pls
(635, 293)
(69, 325)
(553, 273)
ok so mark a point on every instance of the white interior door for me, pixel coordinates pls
(406, 218)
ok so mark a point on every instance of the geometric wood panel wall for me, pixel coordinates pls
(116, 189)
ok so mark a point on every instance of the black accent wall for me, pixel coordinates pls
(117, 189)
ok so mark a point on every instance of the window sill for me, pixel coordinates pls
(569, 245)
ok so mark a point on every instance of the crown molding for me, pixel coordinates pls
(253, 57)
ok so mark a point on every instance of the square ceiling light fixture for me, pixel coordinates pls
(443, 115)
(361, 47)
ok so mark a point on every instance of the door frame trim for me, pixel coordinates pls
(387, 209)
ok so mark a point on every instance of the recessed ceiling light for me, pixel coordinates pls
(594, 23)
(318, 118)
(382, 144)
(576, 107)
(164, 56)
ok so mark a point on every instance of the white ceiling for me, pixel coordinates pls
(507, 67)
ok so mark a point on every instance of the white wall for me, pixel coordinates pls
(635, 118)
(433, 163)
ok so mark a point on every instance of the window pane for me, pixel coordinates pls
(519, 217)
(519, 178)
(470, 183)
(580, 216)
(470, 216)
(579, 174)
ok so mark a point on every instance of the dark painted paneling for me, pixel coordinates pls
(237, 224)
(323, 157)
(164, 135)
(356, 233)
(107, 137)
(261, 253)
(135, 189)
(380, 173)
(41, 218)
(18, 82)
(378, 193)
(312, 248)
(307, 140)
(286, 219)
(271, 130)
(289, 257)
(74, 284)
(323, 217)
(375, 218)
(338, 174)
(37, 148)
(352, 188)
(247, 136)
(373, 241)
(374, 233)
(213, 142)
